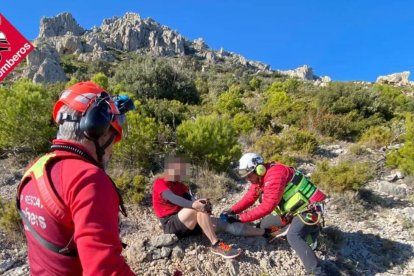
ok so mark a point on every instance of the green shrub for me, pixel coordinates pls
(286, 159)
(272, 148)
(230, 102)
(255, 83)
(142, 141)
(347, 126)
(394, 99)
(243, 123)
(330, 125)
(25, 117)
(202, 86)
(10, 221)
(278, 104)
(376, 137)
(347, 175)
(301, 141)
(269, 145)
(403, 158)
(71, 82)
(262, 121)
(357, 149)
(71, 65)
(101, 80)
(211, 139)
(157, 78)
(132, 188)
(167, 112)
(282, 107)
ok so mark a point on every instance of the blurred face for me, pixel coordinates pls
(177, 170)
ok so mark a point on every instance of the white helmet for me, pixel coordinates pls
(248, 163)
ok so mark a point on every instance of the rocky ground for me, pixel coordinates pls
(366, 233)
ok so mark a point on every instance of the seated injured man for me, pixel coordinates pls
(181, 214)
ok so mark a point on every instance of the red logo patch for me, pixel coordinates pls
(13, 47)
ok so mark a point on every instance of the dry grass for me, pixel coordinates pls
(212, 185)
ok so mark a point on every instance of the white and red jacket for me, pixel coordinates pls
(270, 188)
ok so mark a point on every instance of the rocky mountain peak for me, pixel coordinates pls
(59, 25)
(129, 33)
(398, 79)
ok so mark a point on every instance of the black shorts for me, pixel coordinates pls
(173, 225)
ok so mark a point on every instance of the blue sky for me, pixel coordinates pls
(344, 39)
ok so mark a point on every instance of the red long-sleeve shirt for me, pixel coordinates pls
(271, 188)
(93, 202)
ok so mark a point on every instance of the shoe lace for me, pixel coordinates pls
(224, 246)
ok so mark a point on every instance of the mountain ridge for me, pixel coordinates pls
(62, 35)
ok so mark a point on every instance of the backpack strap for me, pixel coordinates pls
(50, 200)
(55, 248)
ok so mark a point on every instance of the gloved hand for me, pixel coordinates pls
(227, 212)
(229, 216)
(233, 218)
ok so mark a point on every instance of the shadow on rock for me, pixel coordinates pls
(370, 199)
(358, 253)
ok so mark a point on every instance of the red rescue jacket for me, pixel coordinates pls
(93, 203)
(270, 188)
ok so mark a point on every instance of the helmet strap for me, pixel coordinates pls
(100, 150)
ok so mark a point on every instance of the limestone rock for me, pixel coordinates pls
(37, 57)
(6, 265)
(50, 72)
(156, 254)
(325, 79)
(164, 240)
(233, 267)
(304, 72)
(200, 45)
(408, 213)
(177, 252)
(394, 176)
(129, 33)
(69, 44)
(166, 252)
(97, 55)
(264, 263)
(59, 25)
(136, 252)
(395, 79)
(392, 188)
(322, 81)
(18, 271)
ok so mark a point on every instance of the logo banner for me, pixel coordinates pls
(13, 47)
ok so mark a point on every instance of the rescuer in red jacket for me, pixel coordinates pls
(68, 203)
(289, 205)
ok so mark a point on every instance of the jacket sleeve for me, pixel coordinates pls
(94, 204)
(274, 183)
(247, 200)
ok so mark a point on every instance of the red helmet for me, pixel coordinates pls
(80, 96)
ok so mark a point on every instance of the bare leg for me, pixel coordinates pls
(206, 224)
(190, 218)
